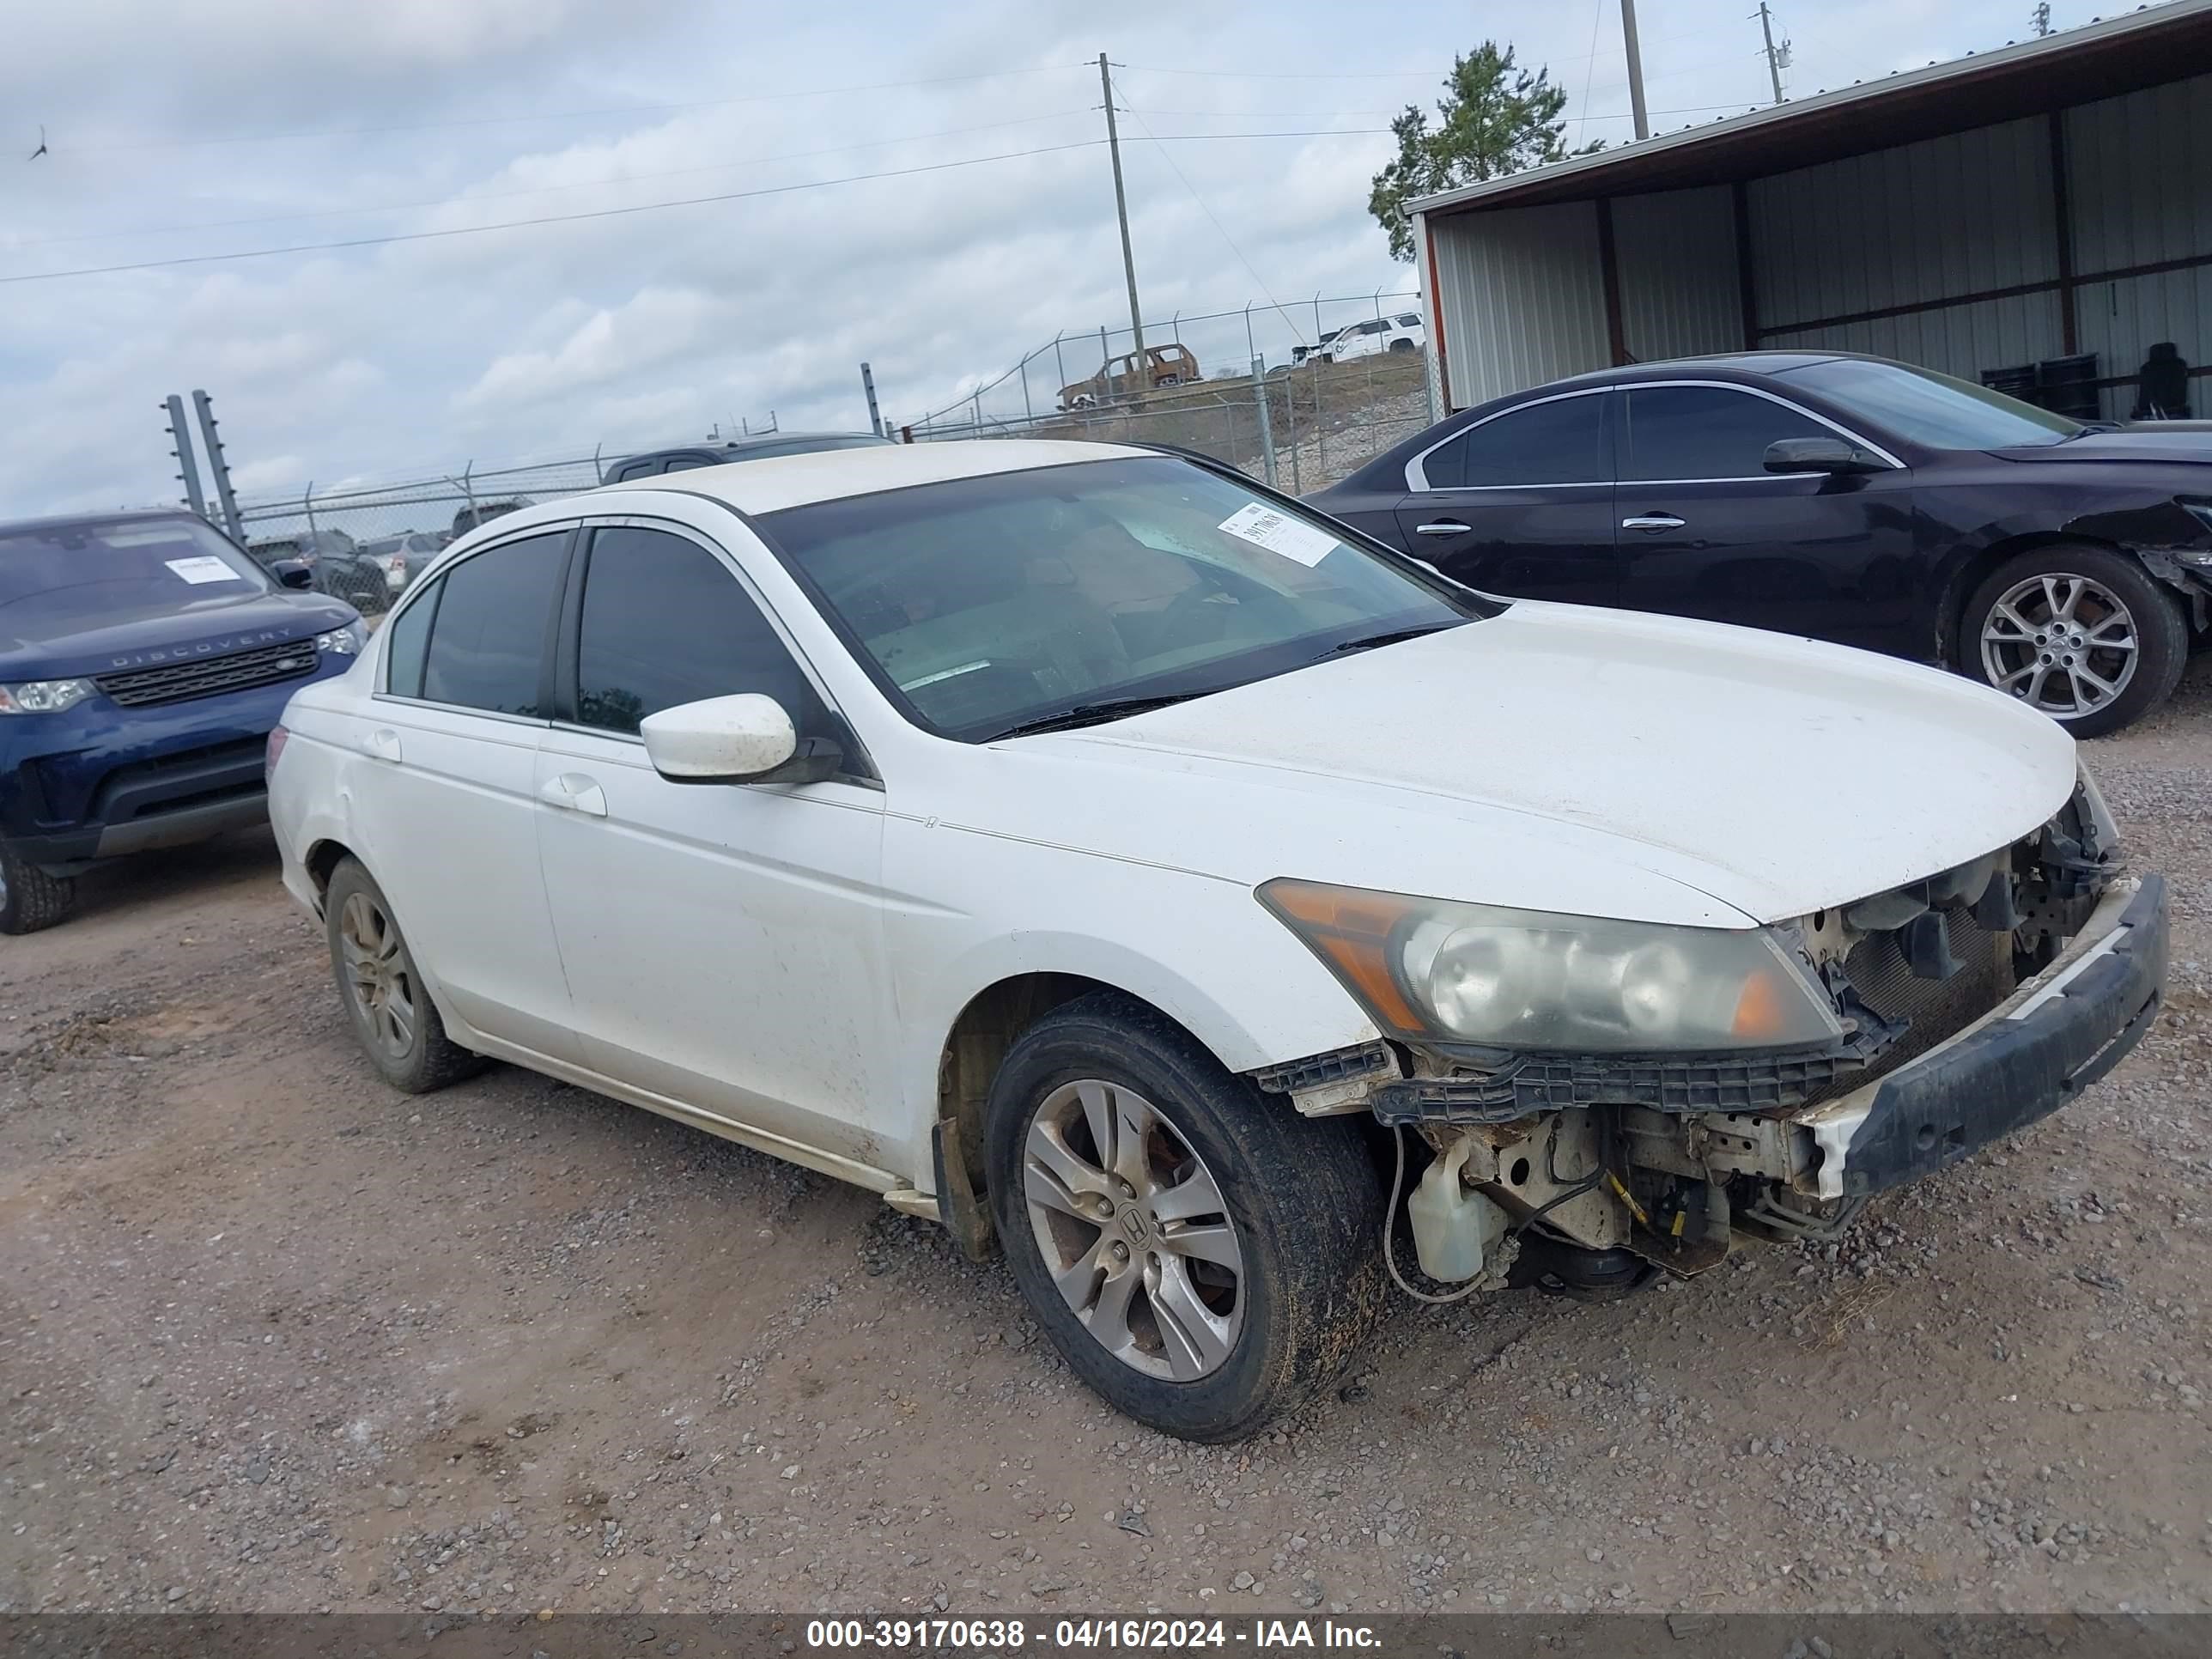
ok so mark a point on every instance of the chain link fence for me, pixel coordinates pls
(366, 543)
(1304, 424)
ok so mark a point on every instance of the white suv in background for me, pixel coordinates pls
(1403, 332)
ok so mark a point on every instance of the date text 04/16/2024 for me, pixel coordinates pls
(985, 1636)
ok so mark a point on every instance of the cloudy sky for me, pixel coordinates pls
(180, 134)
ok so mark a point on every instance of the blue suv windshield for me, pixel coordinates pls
(60, 578)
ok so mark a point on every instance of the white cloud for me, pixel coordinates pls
(417, 357)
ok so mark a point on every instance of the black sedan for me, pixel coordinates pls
(1840, 497)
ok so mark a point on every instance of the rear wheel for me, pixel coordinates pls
(2081, 634)
(1201, 1256)
(30, 899)
(393, 1015)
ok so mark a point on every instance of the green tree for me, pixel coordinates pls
(1494, 118)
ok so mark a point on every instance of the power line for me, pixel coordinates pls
(544, 190)
(1217, 226)
(560, 115)
(639, 207)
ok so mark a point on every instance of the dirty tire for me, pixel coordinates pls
(2160, 630)
(430, 1060)
(30, 899)
(1303, 1194)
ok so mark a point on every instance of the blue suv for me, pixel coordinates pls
(144, 659)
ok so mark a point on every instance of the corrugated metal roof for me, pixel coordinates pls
(2147, 47)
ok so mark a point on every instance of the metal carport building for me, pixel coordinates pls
(2048, 199)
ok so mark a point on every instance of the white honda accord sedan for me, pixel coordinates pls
(1090, 850)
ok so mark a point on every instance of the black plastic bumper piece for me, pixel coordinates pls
(2015, 1071)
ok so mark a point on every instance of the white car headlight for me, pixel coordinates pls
(1432, 968)
(345, 642)
(43, 696)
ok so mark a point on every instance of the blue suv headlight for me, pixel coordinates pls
(43, 696)
(345, 642)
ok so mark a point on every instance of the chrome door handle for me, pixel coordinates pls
(1443, 527)
(1652, 521)
(575, 793)
(383, 744)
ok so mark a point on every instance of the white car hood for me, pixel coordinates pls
(1558, 756)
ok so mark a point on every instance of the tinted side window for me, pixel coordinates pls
(1562, 441)
(488, 640)
(406, 637)
(1705, 432)
(664, 622)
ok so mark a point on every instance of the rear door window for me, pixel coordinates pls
(1559, 441)
(487, 646)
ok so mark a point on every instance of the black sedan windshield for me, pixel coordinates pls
(1074, 593)
(1934, 409)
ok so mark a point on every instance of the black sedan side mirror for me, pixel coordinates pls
(292, 572)
(1821, 455)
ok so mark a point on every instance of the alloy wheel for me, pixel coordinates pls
(378, 978)
(1133, 1230)
(2062, 644)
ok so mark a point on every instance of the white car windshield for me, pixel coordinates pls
(1059, 595)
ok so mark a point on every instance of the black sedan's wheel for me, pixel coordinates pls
(398, 1025)
(2081, 634)
(1201, 1256)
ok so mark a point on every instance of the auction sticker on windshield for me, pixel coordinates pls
(1263, 526)
(201, 570)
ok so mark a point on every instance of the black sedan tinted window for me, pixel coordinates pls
(1557, 441)
(1705, 432)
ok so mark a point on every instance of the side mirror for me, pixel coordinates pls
(745, 738)
(292, 572)
(1831, 455)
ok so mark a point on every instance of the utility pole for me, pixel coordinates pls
(219, 467)
(1635, 69)
(2041, 18)
(1777, 57)
(181, 436)
(1121, 210)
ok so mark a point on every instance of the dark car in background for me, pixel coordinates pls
(398, 559)
(687, 456)
(336, 564)
(1837, 496)
(144, 659)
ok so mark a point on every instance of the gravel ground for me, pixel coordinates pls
(274, 1337)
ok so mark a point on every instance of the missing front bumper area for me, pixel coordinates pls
(1673, 1184)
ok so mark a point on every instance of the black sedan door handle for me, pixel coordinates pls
(1443, 527)
(1652, 521)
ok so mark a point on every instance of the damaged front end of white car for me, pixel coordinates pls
(1605, 1101)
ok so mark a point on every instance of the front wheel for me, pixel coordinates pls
(2081, 634)
(30, 899)
(1201, 1256)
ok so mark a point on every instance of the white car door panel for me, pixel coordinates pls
(722, 943)
(450, 834)
(446, 795)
